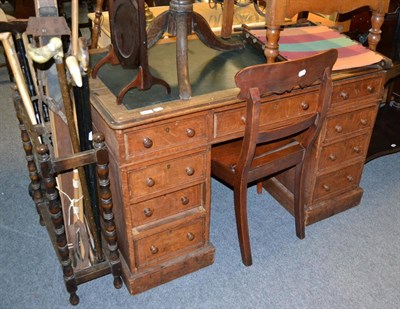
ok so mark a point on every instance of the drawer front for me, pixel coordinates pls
(168, 243)
(368, 89)
(168, 135)
(233, 121)
(345, 179)
(340, 125)
(167, 175)
(342, 151)
(167, 205)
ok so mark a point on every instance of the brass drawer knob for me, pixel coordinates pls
(332, 157)
(189, 171)
(148, 212)
(356, 149)
(190, 236)
(344, 95)
(150, 182)
(350, 178)
(371, 89)
(304, 105)
(147, 142)
(154, 249)
(363, 121)
(338, 128)
(184, 200)
(326, 188)
(190, 132)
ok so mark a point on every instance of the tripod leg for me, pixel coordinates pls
(205, 34)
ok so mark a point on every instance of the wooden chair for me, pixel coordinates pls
(277, 10)
(268, 149)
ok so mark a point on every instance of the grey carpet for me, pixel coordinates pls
(348, 261)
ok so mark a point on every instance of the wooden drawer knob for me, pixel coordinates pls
(154, 249)
(147, 142)
(184, 200)
(338, 128)
(148, 212)
(190, 236)
(189, 171)
(150, 182)
(190, 132)
(243, 118)
(326, 188)
(304, 105)
(344, 95)
(356, 149)
(363, 121)
(332, 157)
(371, 89)
(350, 178)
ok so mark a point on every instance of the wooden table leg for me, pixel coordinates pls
(227, 19)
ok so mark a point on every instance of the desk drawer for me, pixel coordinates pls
(340, 125)
(170, 242)
(161, 177)
(167, 135)
(343, 150)
(344, 179)
(368, 89)
(232, 121)
(167, 205)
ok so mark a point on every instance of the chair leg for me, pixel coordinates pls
(298, 202)
(259, 187)
(240, 197)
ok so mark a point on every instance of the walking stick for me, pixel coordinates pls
(12, 58)
(82, 107)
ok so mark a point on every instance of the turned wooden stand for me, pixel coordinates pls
(42, 170)
(180, 21)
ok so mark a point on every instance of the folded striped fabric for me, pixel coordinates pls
(295, 43)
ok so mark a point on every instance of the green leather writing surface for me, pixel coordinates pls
(210, 70)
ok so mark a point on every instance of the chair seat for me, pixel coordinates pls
(269, 158)
(300, 42)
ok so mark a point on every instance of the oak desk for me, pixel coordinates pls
(160, 156)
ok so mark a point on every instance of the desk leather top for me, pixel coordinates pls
(210, 70)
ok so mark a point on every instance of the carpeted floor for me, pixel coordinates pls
(348, 261)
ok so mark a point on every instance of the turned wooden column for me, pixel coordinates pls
(55, 211)
(181, 11)
(374, 35)
(98, 13)
(34, 187)
(271, 50)
(106, 204)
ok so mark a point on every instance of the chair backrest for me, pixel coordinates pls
(279, 78)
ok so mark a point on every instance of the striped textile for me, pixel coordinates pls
(295, 43)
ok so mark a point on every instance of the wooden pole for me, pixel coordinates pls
(96, 23)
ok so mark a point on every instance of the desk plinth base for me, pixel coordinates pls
(144, 280)
(318, 211)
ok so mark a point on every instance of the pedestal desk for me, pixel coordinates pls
(160, 155)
